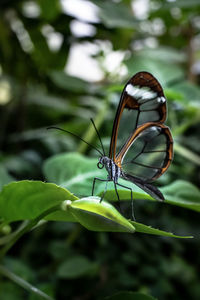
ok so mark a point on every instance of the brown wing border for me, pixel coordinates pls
(169, 150)
(126, 101)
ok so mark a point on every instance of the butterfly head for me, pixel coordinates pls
(103, 161)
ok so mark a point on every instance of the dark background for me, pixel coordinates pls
(63, 62)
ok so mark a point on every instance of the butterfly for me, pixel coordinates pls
(141, 146)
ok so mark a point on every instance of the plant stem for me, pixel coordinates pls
(23, 283)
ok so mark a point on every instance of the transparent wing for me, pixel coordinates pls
(147, 153)
(142, 101)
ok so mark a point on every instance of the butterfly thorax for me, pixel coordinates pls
(114, 172)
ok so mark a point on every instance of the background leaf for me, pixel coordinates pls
(155, 63)
(68, 82)
(73, 171)
(5, 178)
(115, 15)
(75, 267)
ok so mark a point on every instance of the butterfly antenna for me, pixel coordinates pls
(98, 136)
(76, 136)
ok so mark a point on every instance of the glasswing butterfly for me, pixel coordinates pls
(141, 146)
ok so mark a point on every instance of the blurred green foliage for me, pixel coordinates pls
(37, 90)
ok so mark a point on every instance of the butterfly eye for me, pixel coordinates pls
(100, 165)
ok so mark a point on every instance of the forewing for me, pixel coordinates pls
(142, 101)
(147, 153)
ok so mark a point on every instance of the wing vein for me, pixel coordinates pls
(142, 165)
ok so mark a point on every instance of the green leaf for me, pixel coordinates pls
(75, 267)
(181, 4)
(73, 171)
(186, 153)
(114, 15)
(5, 178)
(149, 230)
(182, 193)
(157, 66)
(69, 83)
(19, 268)
(99, 216)
(164, 54)
(189, 90)
(50, 9)
(76, 173)
(42, 99)
(130, 296)
(79, 172)
(28, 199)
(11, 291)
(124, 194)
(102, 216)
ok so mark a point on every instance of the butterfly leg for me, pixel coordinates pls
(130, 189)
(105, 190)
(115, 184)
(93, 185)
